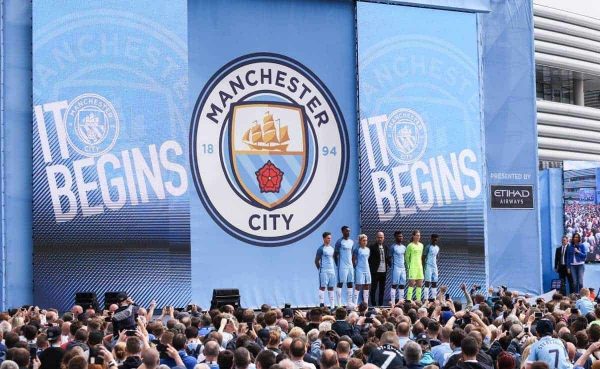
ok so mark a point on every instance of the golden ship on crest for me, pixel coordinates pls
(267, 136)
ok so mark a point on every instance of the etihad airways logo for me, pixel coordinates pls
(511, 197)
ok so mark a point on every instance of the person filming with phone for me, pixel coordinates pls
(125, 317)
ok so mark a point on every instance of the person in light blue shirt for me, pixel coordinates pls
(550, 350)
(443, 350)
(584, 304)
(343, 258)
(430, 254)
(326, 267)
(362, 272)
(398, 268)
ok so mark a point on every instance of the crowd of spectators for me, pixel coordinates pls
(496, 329)
(585, 220)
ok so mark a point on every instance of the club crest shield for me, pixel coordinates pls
(268, 150)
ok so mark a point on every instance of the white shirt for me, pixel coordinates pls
(403, 341)
(226, 338)
(303, 364)
(381, 268)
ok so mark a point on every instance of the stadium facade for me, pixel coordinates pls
(567, 56)
(581, 185)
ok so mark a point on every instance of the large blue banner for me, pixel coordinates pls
(110, 150)
(272, 143)
(508, 68)
(421, 159)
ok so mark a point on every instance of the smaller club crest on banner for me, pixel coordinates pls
(406, 135)
(268, 146)
(92, 124)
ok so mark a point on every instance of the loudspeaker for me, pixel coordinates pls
(227, 296)
(111, 298)
(87, 300)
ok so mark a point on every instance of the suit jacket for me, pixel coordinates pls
(374, 257)
(557, 257)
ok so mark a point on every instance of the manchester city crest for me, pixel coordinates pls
(406, 135)
(268, 149)
(92, 124)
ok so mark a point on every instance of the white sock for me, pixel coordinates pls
(332, 298)
(321, 297)
(401, 294)
(434, 292)
(355, 297)
(425, 293)
(366, 296)
(393, 296)
(338, 293)
(349, 295)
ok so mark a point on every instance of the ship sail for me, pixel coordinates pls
(270, 134)
(256, 133)
(283, 134)
(268, 117)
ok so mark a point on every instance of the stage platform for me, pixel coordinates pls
(591, 277)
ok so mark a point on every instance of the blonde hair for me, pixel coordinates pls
(119, 351)
(525, 355)
(17, 321)
(530, 341)
(325, 327)
(297, 332)
(9, 364)
(361, 236)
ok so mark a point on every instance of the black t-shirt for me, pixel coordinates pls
(51, 357)
(387, 357)
(343, 362)
(482, 358)
(342, 328)
(310, 326)
(132, 362)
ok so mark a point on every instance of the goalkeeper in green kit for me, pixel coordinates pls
(414, 264)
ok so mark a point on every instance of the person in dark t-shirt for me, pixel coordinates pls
(51, 357)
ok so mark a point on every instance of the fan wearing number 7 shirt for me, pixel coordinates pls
(388, 355)
(550, 350)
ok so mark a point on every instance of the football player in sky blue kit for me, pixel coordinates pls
(398, 268)
(343, 258)
(550, 350)
(326, 266)
(430, 254)
(362, 272)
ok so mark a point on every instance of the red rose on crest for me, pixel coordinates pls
(269, 178)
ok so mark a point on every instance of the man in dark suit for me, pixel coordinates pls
(378, 263)
(561, 266)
